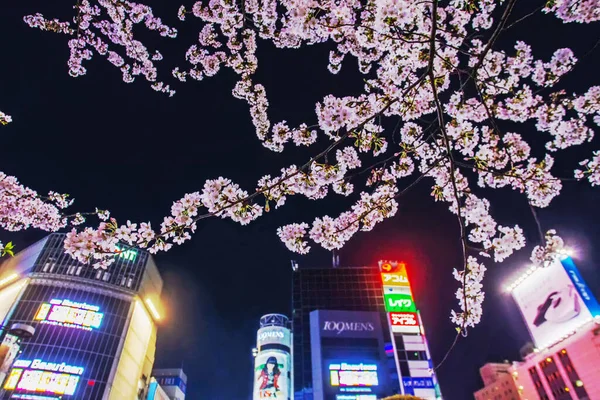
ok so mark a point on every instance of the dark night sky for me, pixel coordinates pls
(133, 151)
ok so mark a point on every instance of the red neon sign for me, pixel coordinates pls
(404, 319)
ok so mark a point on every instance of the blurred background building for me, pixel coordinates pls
(95, 330)
(172, 381)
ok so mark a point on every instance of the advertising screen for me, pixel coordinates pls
(551, 304)
(396, 302)
(43, 377)
(273, 335)
(70, 314)
(347, 374)
(271, 376)
(407, 322)
(394, 280)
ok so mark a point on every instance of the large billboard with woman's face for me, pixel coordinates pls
(554, 302)
(272, 376)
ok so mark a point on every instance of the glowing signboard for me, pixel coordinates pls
(39, 376)
(394, 279)
(129, 254)
(404, 322)
(553, 303)
(346, 374)
(70, 314)
(396, 302)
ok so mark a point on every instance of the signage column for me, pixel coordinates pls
(408, 336)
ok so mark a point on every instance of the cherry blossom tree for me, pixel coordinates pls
(437, 94)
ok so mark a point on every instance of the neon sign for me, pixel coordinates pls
(40, 376)
(70, 314)
(345, 374)
(395, 302)
(129, 254)
(394, 279)
(404, 319)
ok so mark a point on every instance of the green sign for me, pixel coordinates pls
(397, 302)
(130, 254)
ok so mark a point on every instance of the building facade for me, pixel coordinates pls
(563, 319)
(95, 330)
(568, 370)
(348, 356)
(173, 381)
(498, 382)
(407, 368)
(342, 289)
(272, 377)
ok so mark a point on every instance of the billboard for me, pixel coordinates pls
(353, 375)
(272, 375)
(551, 302)
(70, 314)
(347, 324)
(398, 302)
(8, 351)
(273, 335)
(43, 377)
(404, 322)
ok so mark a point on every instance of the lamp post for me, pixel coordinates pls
(10, 346)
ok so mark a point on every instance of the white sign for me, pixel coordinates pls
(550, 304)
(273, 334)
(341, 326)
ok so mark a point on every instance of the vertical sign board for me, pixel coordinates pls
(555, 301)
(403, 318)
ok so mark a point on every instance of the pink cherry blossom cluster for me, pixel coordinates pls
(107, 27)
(430, 68)
(470, 295)
(582, 11)
(550, 251)
(5, 119)
(23, 208)
(591, 171)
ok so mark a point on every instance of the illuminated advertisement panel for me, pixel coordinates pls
(404, 322)
(397, 302)
(69, 314)
(43, 377)
(271, 375)
(394, 279)
(273, 335)
(346, 374)
(551, 304)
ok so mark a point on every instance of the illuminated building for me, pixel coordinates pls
(349, 361)
(410, 349)
(272, 375)
(173, 381)
(342, 289)
(563, 318)
(498, 383)
(156, 392)
(95, 330)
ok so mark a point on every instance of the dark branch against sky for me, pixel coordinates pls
(133, 151)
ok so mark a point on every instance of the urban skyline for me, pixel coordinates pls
(127, 149)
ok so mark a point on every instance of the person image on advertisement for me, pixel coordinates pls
(269, 376)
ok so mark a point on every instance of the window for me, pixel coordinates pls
(535, 377)
(559, 388)
(572, 374)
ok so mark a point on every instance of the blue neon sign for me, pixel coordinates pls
(582, 288)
